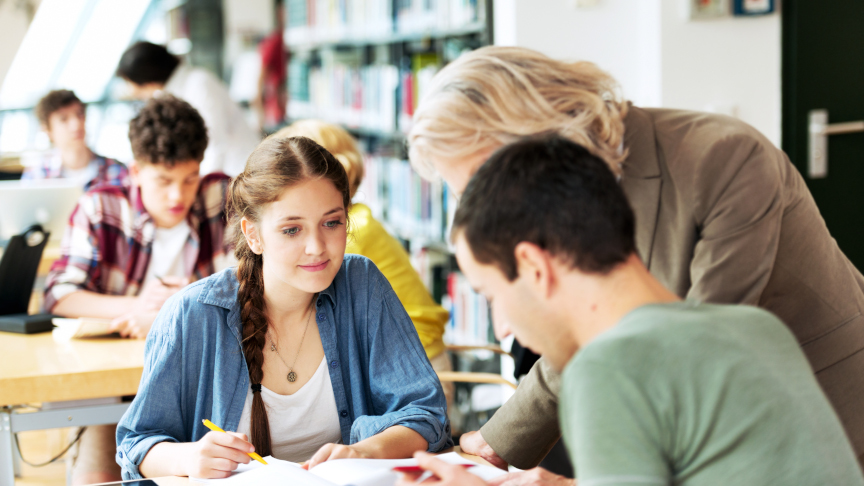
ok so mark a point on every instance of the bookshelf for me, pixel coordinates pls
(364, 64)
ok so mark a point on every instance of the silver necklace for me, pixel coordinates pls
(292, 375)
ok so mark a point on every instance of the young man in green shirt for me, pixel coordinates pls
(662, 391)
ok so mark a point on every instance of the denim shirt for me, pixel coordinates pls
(194, 367)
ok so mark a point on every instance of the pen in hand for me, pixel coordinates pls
(210, 425)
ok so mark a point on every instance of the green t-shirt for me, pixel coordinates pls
(696, 394)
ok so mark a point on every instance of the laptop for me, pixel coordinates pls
(48, 203)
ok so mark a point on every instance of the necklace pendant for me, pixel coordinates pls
(272, 346)
(292, 377)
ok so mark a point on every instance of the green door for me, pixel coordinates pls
(823, 69)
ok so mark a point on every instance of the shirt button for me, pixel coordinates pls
(120, 454)
(334, 363)
(344, 413)
(321, 316)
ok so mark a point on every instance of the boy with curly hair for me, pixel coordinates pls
(128, 248)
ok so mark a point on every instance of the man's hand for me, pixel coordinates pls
(137, 322)
(474, 443)
(445, 474)
(328, 452)
(156, 292)
(135, 326)
(217, 454)
(532, 477)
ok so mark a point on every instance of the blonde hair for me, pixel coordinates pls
(335, 140)
(494, 96)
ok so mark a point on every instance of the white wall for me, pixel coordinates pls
(612, 35)
(730, 65)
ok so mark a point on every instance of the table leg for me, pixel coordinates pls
(7, 466)
(16, 459)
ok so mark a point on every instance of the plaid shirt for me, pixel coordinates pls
(108, 242)
(109, 172)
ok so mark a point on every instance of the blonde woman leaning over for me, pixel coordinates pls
(722, 216)
(369, 238)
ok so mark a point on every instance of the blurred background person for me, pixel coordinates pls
(149, 68)
(63, 117)
(272, 97)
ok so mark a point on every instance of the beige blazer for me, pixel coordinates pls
(722, 216)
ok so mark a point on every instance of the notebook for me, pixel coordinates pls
(82, 327)
(339, 472)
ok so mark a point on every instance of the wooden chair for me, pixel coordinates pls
(473, 377)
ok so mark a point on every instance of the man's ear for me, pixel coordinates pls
(253, 239)
(534, 264)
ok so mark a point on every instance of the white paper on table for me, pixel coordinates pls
(82, 327)
(338, 472)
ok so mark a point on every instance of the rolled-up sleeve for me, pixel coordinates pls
(156, 414)
(404, 389)
(78, 256)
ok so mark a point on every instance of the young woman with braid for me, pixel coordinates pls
(304, 351)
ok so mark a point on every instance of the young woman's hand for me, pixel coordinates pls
(217, 454)
(329, 452)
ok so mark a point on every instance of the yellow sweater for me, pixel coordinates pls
(368, 238)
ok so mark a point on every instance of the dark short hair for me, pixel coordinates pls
(550, 192)
(145, 62)
(53, 101)
(167, 131)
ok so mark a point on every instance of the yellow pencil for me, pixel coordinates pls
(210, 425)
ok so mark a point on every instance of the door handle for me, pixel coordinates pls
(819, 129)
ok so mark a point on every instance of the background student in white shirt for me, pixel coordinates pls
(150, 68)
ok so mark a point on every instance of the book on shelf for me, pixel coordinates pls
(419, 210)
(412, 207)
(441, 15)
(470, 319)
(376, 97)
(328, 21)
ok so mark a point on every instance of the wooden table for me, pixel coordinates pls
(39, 368)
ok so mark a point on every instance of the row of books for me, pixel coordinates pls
(419, 210)
(412, 207)
(333, 21)
(470, 319)
(377, 97)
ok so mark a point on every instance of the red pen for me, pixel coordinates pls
(410, 469)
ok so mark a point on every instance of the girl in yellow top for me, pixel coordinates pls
(369, 238)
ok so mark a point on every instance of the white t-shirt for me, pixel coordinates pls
(166, 257)
(83, 175)
(300, 423)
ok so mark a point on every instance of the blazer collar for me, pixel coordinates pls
(640, 140)
(641, 177)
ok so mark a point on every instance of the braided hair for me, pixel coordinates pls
(276, 164)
